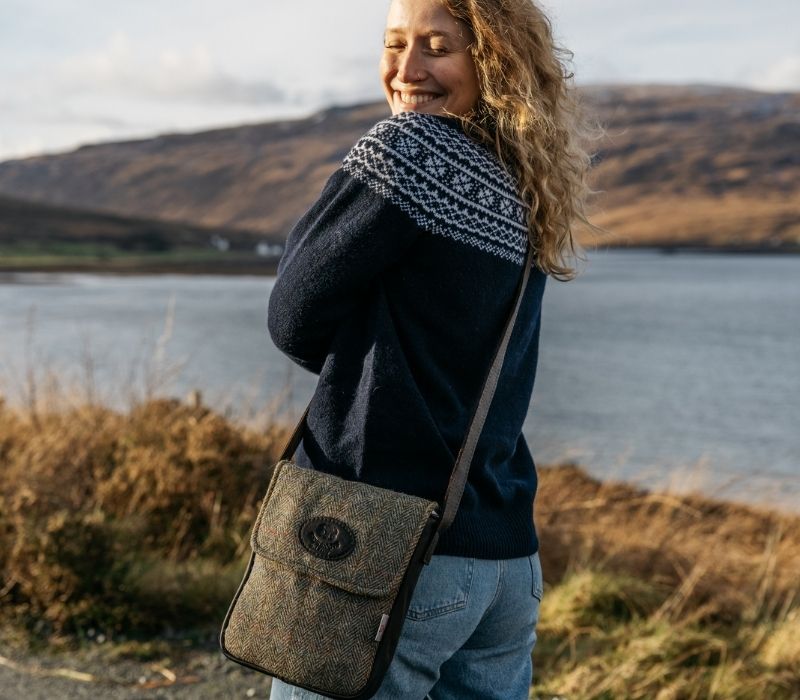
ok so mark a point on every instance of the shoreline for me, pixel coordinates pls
(123, 267)
(232, 268)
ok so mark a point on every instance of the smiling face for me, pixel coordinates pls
(426, 64)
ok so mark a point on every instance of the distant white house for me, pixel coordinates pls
(220, 243)
(268, 250)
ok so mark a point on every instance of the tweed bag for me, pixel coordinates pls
(334, 563)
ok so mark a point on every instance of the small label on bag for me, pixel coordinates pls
(382, 628)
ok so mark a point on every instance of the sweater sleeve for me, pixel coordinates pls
(337, 250)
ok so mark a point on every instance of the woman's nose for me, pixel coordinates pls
(411, 66)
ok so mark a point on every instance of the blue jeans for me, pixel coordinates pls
(468, 634)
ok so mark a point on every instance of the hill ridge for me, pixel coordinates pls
(691, 165)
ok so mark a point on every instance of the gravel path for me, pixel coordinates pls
(95, 673)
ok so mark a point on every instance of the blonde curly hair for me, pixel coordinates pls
(532, 117)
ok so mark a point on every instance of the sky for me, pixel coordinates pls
(83, 71)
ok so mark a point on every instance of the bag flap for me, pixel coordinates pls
(352, 535)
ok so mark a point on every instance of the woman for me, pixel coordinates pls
(394, 288)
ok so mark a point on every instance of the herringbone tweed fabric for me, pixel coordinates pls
(309, 620)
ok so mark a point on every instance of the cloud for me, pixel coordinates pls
(73, 72)
(191, 75)
(783, 74)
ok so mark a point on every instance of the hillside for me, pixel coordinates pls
(258, 177)
(43, 236)
(679, 165)
(713, 166)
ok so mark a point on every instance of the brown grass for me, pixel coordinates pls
(137, 523)
(125, 521)
(732, 219)
(652, 595)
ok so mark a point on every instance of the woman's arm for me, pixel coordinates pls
(333, 255)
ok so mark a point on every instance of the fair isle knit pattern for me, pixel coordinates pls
(444, 181)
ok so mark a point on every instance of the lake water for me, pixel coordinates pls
(665, 370)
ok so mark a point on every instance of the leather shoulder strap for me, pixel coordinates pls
(458, 478)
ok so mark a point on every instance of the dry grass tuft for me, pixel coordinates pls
(126, 521)
(781, 648)
(651, 595)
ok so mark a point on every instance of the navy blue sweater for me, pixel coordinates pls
(394, 288)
